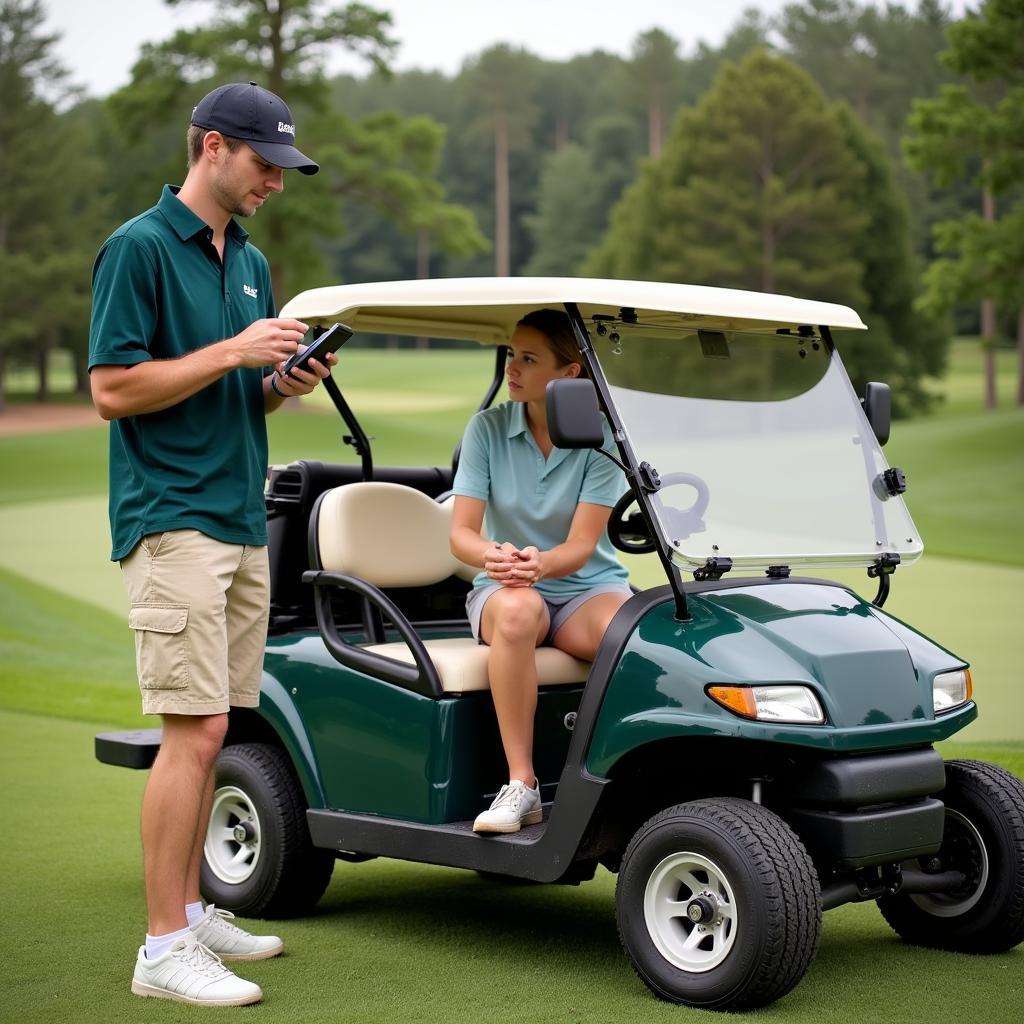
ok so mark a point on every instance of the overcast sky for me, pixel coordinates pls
(101, 38)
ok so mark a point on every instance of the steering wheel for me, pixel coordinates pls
(632, 535)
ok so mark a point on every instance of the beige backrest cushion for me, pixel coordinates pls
(387, 534)
(464, 571)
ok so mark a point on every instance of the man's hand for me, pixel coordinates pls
(268, 342)
(301, 382)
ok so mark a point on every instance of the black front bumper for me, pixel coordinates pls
(855, 812)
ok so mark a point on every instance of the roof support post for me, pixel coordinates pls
(634, 473)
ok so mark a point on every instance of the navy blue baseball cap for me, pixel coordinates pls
(255, 115)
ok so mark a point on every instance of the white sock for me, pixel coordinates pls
(157, 945)
(194, 913)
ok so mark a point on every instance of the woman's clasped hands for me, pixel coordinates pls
(512, 567)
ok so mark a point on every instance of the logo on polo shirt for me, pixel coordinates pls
(289, 128)
(250, 291)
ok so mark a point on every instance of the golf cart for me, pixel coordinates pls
(750, 747)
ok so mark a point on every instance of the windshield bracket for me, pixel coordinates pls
(648, 478)
(882, 568)
(713, 569)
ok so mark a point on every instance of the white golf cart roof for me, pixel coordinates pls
(486, 309)
(789, 480)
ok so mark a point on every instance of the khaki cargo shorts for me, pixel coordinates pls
(199, 608)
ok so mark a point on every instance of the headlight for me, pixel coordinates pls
(786, 703)
(950, 690)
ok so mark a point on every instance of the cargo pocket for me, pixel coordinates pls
(161, 645)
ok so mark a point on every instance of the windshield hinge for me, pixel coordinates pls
(778, 572)
(713, 569)
(648, 478)
(882, 568)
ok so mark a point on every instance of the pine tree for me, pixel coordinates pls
(979, 131)
(765, 186)
(383, 160)
(47, 212)
(579, 186)
(500, 86)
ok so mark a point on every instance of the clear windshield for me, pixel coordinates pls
(763, 450)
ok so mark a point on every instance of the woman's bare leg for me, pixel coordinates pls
(514, 621)
(581, 634)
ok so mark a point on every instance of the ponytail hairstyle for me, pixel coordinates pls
(557, 330)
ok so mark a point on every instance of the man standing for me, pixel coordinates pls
(183, 337)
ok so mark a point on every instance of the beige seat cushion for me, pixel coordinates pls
(462, 663)
(394, 536)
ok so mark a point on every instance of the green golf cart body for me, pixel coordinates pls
(749, 748)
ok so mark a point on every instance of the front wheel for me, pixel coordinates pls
(983, 838)
(718, 905)
(258, 859)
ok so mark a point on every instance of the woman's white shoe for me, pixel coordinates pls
(515, 805)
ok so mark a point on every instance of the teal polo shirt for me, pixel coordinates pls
(532, 500)
(160, 291)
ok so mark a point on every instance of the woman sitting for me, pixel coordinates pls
(550, 575)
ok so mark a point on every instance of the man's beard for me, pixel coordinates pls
(227, 198)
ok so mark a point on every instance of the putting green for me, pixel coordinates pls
(64, 545)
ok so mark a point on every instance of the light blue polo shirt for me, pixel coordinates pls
(532, 500)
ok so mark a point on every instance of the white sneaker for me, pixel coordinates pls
(189, 973)
(514, 806)
(216, 932)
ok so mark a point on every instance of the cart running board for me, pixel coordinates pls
(543, 853)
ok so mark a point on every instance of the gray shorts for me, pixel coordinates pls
(560, 608)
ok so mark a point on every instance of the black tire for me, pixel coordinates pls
(273, 870)
(983, 838)
(761, 889)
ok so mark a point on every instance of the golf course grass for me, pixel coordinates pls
(390, 941)
(397, 942)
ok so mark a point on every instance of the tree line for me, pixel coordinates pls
(842, 151)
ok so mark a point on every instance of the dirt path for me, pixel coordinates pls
(42, 417)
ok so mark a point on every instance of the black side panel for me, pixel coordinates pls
(134, 749)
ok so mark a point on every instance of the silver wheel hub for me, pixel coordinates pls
(232, 847)
(690, 912)
(971, 847)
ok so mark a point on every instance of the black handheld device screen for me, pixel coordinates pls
(330, 341)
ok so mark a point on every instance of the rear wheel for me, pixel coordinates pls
(258, 858)
(718, 905)
(983, 839)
